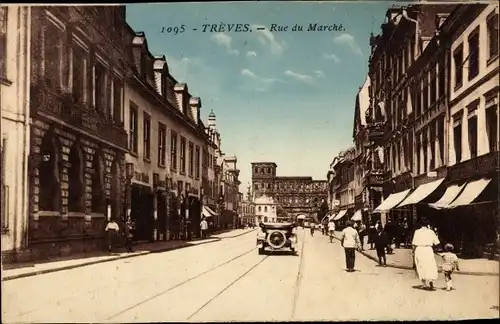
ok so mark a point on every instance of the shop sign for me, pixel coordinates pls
(476, 167)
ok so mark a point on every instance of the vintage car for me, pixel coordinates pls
(276, 236)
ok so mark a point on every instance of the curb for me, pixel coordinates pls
(467, 273)
(126, 256)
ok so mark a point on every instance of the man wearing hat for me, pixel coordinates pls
(350, 242)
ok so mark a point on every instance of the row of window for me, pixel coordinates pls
(430, 142)
(283, 186)
(263, 170)
(259, 208)
(72, 65)
(471, 62)
(470, 126)
(177, 154)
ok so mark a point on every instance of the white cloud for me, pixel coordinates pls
(251, 53)
(267, 38)
(333, 57)
(180, 69)
(225, 40)
(248, 73)
(319, 74)
(349, 41)
(299, 77)
(259, 83)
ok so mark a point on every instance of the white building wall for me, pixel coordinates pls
(487, 68)
(157, 116)
(14, 103)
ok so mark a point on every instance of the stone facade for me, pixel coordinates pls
(77, 140)
(297, 195)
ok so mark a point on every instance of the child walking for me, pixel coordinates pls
(450, 264)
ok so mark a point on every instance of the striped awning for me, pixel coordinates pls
(341, 214)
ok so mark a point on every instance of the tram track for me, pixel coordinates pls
(183, 283)
(95, 290)
(245, 272)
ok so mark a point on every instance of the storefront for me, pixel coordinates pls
(141, 212)
(468, 210)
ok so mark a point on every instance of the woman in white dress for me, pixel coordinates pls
(423, 241)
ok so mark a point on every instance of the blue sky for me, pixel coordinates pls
(286, 97)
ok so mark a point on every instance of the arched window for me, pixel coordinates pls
(48, 170)
(76, 188)
(265, 209)
(98, 194)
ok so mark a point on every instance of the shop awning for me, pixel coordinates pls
(301, 217)
(392, 201)
(357, 216)
(340, 215)
(471, 191)
(449, 195)
(421, 193)
(207, 212)
(332, 216)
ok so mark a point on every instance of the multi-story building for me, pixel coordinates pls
(297, 195)
(229, 191)
(408, 109)
(76, 168)
(15, 62)
(166, 139)
(436, 116)
(368, 168)
(343, 185)
(266, 209)
(209, 177)
(472, 128)
(247, 208)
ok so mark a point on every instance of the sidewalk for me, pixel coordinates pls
(18, 270)
(403, 259)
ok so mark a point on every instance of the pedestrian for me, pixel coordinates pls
(377, 225)
(129, 228)
(424, 239)
(389, 229)
(450, 264)
(380, 244)
(405, 233)
(372, 233)
(204, 228)
(312, 226)
(112, 229)
(397, 234)
(362, 234)
(350, 242)
(331, 229)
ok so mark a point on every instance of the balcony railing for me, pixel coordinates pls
(62, 107)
